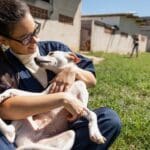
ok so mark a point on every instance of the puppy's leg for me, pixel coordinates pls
(8, 131)
(80, 91)
(33, 123)
(95, 134)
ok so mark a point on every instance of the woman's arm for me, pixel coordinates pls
(20, 107)
(85, 70)
(67, 76)
(86, 76)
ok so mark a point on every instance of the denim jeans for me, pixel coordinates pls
(109, 125)
(4, 144)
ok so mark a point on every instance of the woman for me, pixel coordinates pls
(18, 30)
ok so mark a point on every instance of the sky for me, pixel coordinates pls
(139, 7)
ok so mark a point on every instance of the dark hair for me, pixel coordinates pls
(11, 11)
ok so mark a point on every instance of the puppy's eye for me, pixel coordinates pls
(50, 53)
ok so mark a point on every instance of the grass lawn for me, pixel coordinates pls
(123, 84)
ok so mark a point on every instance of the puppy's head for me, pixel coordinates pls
(45, 61)
(56, 59)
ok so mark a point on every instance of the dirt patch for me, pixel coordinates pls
(96, 60)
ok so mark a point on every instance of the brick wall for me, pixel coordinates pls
(38, 12)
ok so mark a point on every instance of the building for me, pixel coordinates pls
(127, 22)
(145, 26)
(111, 32)
(145, 29)
(61, 20)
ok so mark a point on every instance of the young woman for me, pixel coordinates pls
(19, 31)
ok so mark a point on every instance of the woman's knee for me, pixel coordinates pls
(108, 118)
(114, 120)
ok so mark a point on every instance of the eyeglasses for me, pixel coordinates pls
(28, 38)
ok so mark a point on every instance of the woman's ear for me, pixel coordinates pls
(3, 42)
(1, 38)
(72, 56)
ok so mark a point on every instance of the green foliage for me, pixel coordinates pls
(123, 84)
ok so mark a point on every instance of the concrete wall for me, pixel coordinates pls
(129, 25)
(148, 45)
(99, 40)
(67, 7)
(143, 43)
(38, 3)
(117, 43)
(125, 24)
(145, 30)
(52, 29)
(63, 32)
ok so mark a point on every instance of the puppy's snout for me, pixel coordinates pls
(36, 60)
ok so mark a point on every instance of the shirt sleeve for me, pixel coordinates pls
(7, 77)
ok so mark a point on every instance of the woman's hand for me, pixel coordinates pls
(63, 80)
(73, 106)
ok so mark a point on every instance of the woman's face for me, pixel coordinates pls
(24, 30)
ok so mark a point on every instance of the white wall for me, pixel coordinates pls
(65, 7)
(129, 25)
(38, 3)
(125, 24)
(145, 30)
(69, 34)
(117, 43)
(148, 45)
(99, 39)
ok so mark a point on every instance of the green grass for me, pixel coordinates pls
(123, 84)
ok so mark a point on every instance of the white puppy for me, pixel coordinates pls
(33, 132)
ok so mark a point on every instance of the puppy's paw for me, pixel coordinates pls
(99, 139)
(96, 136)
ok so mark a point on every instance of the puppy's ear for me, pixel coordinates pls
(72, 56)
